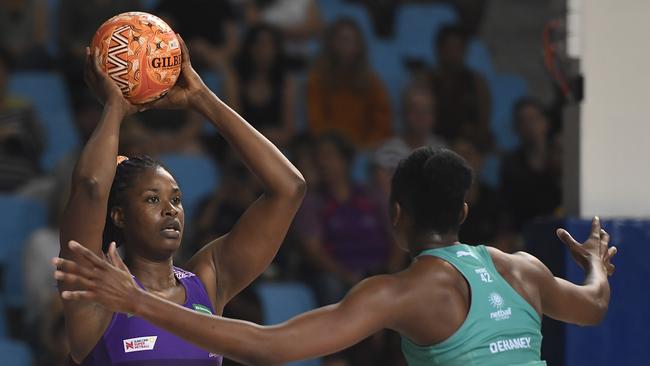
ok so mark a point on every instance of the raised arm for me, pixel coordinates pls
(85, 213)
(584, 304)
(230, 263)
(316, 333)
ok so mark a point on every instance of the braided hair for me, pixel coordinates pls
(128, 170)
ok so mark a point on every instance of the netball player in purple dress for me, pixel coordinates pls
(138, 204)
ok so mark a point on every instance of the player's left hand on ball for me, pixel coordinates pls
(105, 89)
(104, 281)
(187, 88)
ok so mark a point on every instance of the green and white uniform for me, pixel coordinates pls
(501, 328)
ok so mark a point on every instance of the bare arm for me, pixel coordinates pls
(245, 252)
(584, 304)
(316, 333)
(85, 213)
(231, 262)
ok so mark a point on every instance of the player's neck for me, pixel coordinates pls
(153, 275)
(432, 240)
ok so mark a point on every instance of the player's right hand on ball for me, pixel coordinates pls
(105, 89)
(106, 281)
(188, 87)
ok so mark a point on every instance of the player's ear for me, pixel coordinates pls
(463, 213)
(117, 216)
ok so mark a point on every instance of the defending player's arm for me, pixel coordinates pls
(584, 304)
(230, 263)
(369, 307)
(85, 213)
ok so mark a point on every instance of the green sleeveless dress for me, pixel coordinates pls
(501, 328)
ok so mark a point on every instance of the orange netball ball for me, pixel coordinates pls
(140, 53)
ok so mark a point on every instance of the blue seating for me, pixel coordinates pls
(214, 82)
(361, 167)
(22, 217)
(149, 5)
(196, 175)
(490, 173)
(478, 59)
(53, 27)
(284, 300)
(4, 327)
(49, 96)
(506, 90)
(390, 67)
(15, 353)
(417, 26)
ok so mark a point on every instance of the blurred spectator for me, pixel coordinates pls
(470, 12)
(530, 175)
(301, 152)
(40, 248)
(219, 213)
(158, 131)
(463, 95)
(342, 228)
(78, 22)
(382, 14)
(488, 221)
(21, 138)
(23, 27)
(298, 20)
(344, 94)
(208, 27)
(419, 121)
(260, 88)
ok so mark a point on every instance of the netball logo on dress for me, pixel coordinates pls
(497, 302)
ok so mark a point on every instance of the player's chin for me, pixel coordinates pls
(169, 242)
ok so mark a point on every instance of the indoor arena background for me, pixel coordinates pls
(499, 81)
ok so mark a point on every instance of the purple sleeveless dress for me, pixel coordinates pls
(132, 341)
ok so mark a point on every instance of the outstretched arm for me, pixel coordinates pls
(584, 304)
(369, 307)
(230, 263)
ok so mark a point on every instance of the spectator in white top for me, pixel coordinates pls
(299, 20)
(418, 123)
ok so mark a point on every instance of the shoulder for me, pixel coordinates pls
(382, 291)
(521, 264)
(431, 269)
